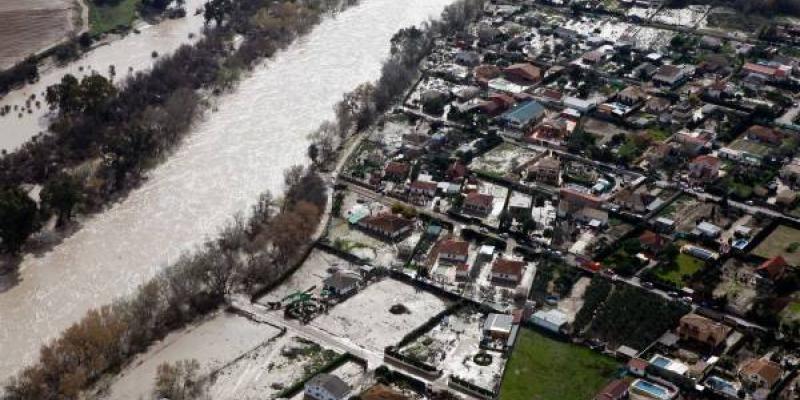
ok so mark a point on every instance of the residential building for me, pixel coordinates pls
(422, 188)
(581, 206)
(453, 251)
(632, 95)
(653, 242)
(342, 283)
(478, 203)
(519, 205)
(523, 73)
(703, 330)
(760, 373)
(396, 171)
(764, 135)
(498, 326)
(638, 367)
(552, 320)
(704, 168)
(386, 225)
(546, 170)
(326, 387)
(523, 115)
(773, 269)
(670, 75)
(507, 271)
(550, 130)
(616, 390)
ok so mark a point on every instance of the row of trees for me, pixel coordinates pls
(131, 128)
(248, 255)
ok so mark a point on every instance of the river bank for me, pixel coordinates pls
(233, 155)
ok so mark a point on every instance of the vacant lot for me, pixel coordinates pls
(503, 161)
(29, 26)
(365, 320)
(545, 369)
(783, 241)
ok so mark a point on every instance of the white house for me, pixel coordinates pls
(326, 387)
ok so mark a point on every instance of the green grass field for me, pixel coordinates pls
(779, 243)
(103, 19)
(686, 265)
(545, 369)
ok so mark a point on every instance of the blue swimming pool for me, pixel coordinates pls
(653, 390)
(661, 362)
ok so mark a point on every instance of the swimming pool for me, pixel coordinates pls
(652, 390)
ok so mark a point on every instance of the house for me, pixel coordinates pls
(581, 206)
(386, 225)
(657, 105)
(773, 269)
(707, 230)
(581, 105)
(478, 203)
(653, 242)
(593, 57)
(631, 95)
(523, 73)
(760, 373)
(422, 188)
(552, 320)
(767, 72)
(550, 130)
(453, 251)
(638, 367)
(484, 73)
(519, 205)
(496, 104)
(468, 58)
(456, 171)
(764, 135)
(790, 172)
(396, 171)
(669, 75)
(546, 170)
(700, 329)
(507, 271)
(704, 168)
(342, 283)
(463, 272)
(616, 390)
(523, 115)
(498, 326)
(720, 90)
(326, 387)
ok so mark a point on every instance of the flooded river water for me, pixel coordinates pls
(235, 153)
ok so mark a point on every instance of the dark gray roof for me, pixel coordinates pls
(331, 383)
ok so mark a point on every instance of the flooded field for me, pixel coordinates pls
(29, 26)
(129, 54)
(234, 154)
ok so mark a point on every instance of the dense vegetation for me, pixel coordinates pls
(629, 316)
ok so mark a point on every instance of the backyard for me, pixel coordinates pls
(679, 270)
(545, 369)
(783, 241)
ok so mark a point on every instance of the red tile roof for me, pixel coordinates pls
(774, 267)
(479, 200)
(508, 267)
(450, 246)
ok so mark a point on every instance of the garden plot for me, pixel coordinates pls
(504, 160)
(365, 320)
(654, 39)
(271, 369)
(223, 338)
(784, 241)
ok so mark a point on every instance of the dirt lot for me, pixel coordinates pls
(365, 320)
(29, 26)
